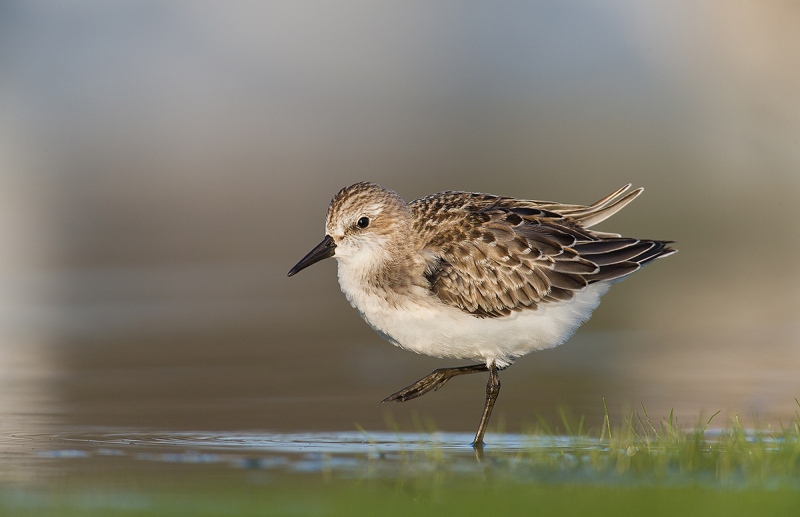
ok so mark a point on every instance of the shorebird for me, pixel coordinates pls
(475, 276)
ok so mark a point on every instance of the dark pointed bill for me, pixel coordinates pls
(324, 249)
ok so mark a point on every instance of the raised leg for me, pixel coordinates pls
(435, 380)
(492, 391)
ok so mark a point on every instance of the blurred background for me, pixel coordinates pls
(163, 165)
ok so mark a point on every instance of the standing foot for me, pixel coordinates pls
(492, 391)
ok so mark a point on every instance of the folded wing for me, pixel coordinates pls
(501, 255)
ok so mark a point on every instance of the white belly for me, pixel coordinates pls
(426, 326)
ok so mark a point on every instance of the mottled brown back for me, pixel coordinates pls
(494, 255)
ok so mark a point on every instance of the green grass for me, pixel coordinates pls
(641, 450)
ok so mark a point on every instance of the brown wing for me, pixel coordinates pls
(496, 255)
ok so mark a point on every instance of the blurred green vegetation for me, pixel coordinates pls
(317, 498)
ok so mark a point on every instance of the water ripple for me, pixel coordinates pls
(323, 442)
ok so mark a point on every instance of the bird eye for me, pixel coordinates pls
(363, 222)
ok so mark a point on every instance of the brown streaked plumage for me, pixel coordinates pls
(534, 251)
(469, 275)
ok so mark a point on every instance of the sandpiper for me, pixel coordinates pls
(475, 276)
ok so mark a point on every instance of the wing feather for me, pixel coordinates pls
(495, 255)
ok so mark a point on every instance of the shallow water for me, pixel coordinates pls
(120, 471)
(246, 401)
(340, 454)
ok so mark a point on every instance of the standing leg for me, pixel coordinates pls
(492, 391)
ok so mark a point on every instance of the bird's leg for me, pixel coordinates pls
(434, 381)
(492, 391)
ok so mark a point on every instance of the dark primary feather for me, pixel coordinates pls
(494, 255)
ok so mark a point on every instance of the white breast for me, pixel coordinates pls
(421, 323)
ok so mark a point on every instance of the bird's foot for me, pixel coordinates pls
(432, 382)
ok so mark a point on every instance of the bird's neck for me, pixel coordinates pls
(388, 275)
